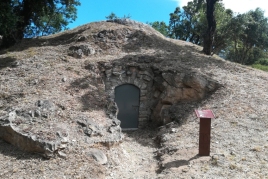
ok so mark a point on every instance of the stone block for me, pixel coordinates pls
(143, 119)
(136, 82)
(146, 73)
(143, 86)
(144, 116)
(117, 68)
(132, 69)
(143, 92)
(143, 113)
(108, 73)
(156, 94)
(146, 78)
(143, 98)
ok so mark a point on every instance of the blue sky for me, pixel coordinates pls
(139, 10)
(148, 10)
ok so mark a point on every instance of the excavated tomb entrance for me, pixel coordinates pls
(143, 92)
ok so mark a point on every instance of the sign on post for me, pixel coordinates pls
(204, 131)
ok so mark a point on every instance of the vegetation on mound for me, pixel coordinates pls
(240, 38)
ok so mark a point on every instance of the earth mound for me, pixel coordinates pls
(57, 98)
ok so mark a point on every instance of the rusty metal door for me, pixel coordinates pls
(127, 98)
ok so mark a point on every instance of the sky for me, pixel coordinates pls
(148, 10)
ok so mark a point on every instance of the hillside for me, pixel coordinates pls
(57, 99)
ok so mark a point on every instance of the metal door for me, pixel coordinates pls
(127, 98)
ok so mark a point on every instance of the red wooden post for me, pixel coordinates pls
(204, 131)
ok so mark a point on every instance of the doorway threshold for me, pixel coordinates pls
(129, 129)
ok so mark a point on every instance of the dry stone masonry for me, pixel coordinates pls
(160, 88)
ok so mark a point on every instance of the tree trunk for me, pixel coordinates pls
(208, 37)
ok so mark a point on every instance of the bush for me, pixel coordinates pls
(261, 67)
(263, 61)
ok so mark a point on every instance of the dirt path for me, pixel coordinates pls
(134, 157)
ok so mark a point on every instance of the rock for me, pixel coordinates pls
(164, 138)
(98, 156)
(19, 128)
(81, 38)
(26, 141)
(46, 109)
(90, 128)
(64, 79)
(114, 129)
(62, 155)
(174, 79)
(253, 116)
(79, 51)
(232, 153)
(173, 130)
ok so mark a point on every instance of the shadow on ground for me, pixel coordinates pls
(179, 163)
(12, 151)
(7, 62)
(144, 137)
(94, 97)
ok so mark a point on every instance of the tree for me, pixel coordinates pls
(187, 24)
(223, 32)
(209, 35)
(249, 37)
(28, 18)
(160, 27)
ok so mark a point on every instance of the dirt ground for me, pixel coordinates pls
(239, 135)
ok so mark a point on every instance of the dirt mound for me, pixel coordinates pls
(58, 90)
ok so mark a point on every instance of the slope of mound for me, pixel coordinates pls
(56, 93)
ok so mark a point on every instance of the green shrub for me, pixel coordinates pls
(263, 61)
(260, 67)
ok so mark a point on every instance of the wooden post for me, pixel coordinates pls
(204, 131)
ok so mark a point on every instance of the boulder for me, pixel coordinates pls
(90, 128)
(27, 129)
(98, 156)
(79, 50)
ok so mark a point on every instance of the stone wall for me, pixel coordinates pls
(160, 89)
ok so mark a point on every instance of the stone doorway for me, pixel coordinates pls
(127, 98)
(164, 91)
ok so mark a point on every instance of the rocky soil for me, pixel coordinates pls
(54, 69)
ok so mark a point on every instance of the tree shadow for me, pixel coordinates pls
(177, 164)
(7, 62)
(62, 38)
(94, 98)
(14, 152)
(141, 40)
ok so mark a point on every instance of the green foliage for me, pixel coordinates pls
(260, 67)
(222, 35)
(241, 38)
(190, 24)
(113, 16)
(186, 24)
(52, 21)
(160, 27)
(29, 18)
(263, 61)
(249, 37)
